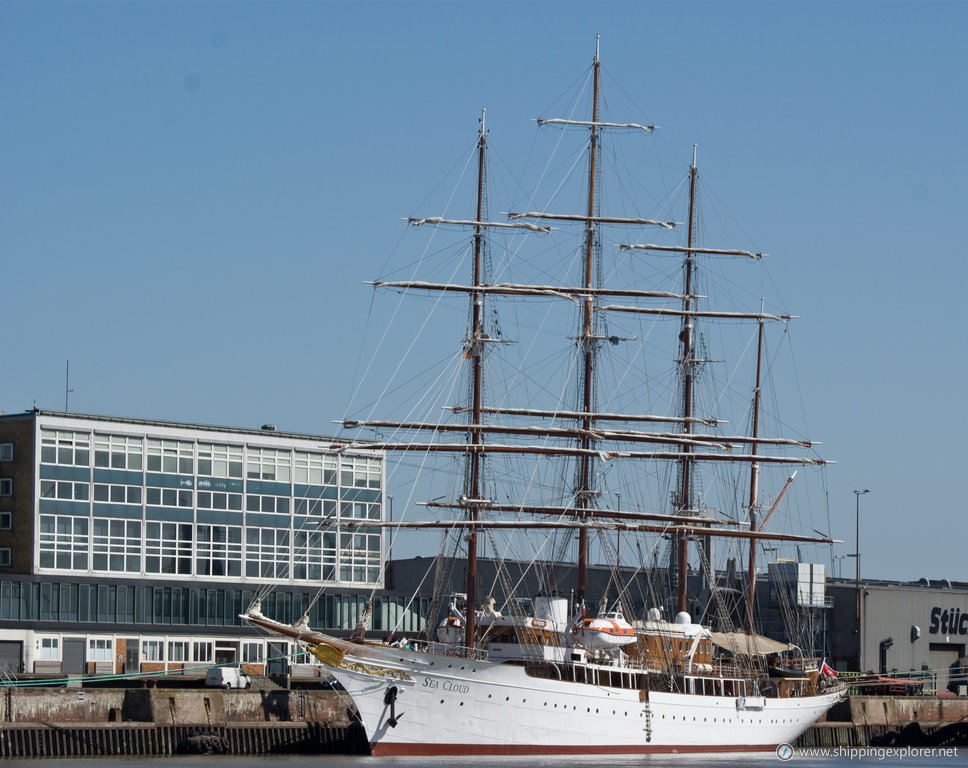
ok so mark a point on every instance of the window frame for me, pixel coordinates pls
(100, 649)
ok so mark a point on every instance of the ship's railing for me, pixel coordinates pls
(458, 651)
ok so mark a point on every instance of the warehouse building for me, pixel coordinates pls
(132, 546)
(896, 627)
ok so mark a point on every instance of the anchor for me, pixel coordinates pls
(390, 699)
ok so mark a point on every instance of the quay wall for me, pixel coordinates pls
(207, 706)
(148, 721)
(901, 710)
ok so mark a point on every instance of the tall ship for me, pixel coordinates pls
(594, 453)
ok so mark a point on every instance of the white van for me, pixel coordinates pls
(227, 677)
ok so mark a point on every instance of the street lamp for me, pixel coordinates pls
(860, 629)
(389, 564)
(839, 561)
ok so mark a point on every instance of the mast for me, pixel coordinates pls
(475, 349)
(584, 490)
(754, 482)
(685, 463)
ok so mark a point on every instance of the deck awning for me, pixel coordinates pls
(741, 644)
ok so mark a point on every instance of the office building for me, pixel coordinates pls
(131, 545)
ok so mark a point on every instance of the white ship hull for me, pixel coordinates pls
(453, 705)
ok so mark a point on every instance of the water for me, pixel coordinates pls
(952, 758)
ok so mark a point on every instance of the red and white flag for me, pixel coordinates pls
(827, 670)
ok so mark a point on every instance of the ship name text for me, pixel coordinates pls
(448, 685)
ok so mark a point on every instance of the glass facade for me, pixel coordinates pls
(167, 608)
(152, 505)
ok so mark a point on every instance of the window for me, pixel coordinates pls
(6, 521)
(307, 555)
(70, 448)
(315, 507)
(168, 497)
(117, 494)
(118, 452)
(6, 486)
(219, 500)
(269, 464)
(100, 649)
(202, 651)
(171, 456)
(178, 650)
(253, 653)
(278, 505)
(116, 545)
(48, 648)
(152, 650)
(359, 472)
(359, 511)
(6, 451)
(63, 542)
(219, 460)
(5, 556)
(315, 469)
(219, 550)
(267, 553)
(168, 548)
(360, 557)
(64, 490)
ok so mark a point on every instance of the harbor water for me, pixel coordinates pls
(894, 758)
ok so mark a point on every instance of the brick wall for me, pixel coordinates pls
(20, 537)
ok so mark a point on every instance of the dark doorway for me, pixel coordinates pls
(132, 656)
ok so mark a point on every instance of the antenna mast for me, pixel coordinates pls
(67, 386)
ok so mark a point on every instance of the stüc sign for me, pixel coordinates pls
(952, 622)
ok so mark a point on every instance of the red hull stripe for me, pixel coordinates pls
(386, 749)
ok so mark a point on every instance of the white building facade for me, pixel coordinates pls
(132, 546)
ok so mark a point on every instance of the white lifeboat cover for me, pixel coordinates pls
(450, 630)
(606, 631)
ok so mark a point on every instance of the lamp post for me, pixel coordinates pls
(389, 565)
(839, 561)
(860, 632)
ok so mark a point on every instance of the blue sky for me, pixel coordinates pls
(192, 194)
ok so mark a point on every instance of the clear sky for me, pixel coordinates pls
(191, 194)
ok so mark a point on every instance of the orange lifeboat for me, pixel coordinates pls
(605, 632)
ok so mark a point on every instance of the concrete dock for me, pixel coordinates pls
(68, 722)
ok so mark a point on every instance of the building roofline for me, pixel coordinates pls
(32, 413)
